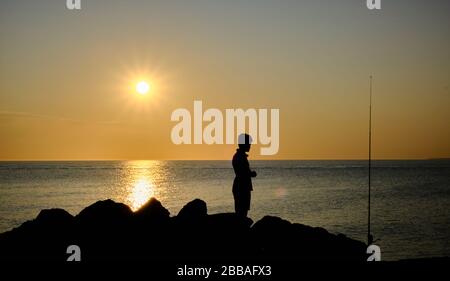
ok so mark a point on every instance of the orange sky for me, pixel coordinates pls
(67, 77)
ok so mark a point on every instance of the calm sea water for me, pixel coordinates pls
(410, 199)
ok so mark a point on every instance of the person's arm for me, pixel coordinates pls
(250, 172)
(243, 168)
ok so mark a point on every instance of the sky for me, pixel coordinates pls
(67, 76)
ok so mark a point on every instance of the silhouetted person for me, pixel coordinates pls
(242, 185)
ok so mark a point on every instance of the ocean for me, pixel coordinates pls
(410, 199)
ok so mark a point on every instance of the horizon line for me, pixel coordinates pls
(283, 159)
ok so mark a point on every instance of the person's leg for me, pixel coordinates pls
(242, 203)
(246, 203)
(236, 203)
(240, 206)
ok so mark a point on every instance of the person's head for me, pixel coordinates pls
(244, 142)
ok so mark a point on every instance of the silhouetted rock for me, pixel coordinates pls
(39, 239)
(193, 210)
(229, 222)
(54, 217)
(153, 210)
(104, 214)
(275, 237)
(104, 211)
(107, 230)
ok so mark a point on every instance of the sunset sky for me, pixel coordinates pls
(67, 77)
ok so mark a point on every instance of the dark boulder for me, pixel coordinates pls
(38, 239)
(153, 210)
(102, 229)
(228, 223)
(271, 224)
(275, 237)
(214, 236)
(196, 209)
(151, 228)
(104, 212)
(54, 217)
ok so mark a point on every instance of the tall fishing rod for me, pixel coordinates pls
(369, 235)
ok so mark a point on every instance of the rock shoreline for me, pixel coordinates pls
(107, 230)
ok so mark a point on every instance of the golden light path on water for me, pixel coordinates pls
(141, 178)
(141, 191)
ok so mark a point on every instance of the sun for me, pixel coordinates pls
(142, 87)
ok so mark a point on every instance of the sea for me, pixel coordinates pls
(410, 200)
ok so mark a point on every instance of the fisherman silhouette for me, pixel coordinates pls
(242, 185)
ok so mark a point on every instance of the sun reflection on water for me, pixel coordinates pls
(141, 182)
(141, 191)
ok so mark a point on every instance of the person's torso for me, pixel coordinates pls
(241, 166)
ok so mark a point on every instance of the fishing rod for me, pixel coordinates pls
(369, 235)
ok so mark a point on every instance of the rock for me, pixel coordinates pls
(38, 239)
(104, 212)
(54, 217)
(229, 222)
(193, 210)
(276, 237)
(102, 229)
(270, 223)
(153, 210)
